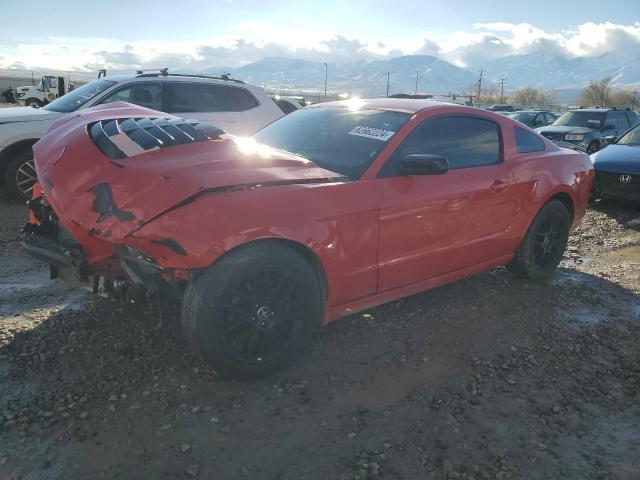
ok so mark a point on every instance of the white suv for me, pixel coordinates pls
(230, 104)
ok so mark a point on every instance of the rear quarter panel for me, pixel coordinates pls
(541, 175)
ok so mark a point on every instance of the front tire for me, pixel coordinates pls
(253, 310)
(20, 176)
(593, 147)
(544, 244)
(32, 102)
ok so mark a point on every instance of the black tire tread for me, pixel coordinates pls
(197, 307)
(9, 177)
(522, 263)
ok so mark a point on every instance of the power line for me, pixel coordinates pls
(502, 90)
(479, 86)
(387, 84)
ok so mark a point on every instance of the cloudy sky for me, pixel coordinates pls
(121, 34)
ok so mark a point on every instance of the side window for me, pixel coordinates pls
(539, 120)
(527, 142)
(623, 121)
(144, 94)
(240, 99)
(464, 141)
(207, 97)
(609, 120)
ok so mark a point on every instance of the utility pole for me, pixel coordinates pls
(479, 86)
(325, 78)
(387, 84)
(502, 90)
(417, 74)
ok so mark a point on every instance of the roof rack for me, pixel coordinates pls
(161, 71)
(165, 73)
(582, 107)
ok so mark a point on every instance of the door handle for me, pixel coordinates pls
(499, 185)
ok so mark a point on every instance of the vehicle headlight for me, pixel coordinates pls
(574, 137)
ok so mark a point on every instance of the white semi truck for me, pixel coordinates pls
(48, 89)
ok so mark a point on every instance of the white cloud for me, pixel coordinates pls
(251, 41)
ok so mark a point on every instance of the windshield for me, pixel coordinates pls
(72, 100)
(632, 137)
(581, 119)
(338, 139)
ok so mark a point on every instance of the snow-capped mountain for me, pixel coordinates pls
(363, 78)
(541, 69)
(547, 70)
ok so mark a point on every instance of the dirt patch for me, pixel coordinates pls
(491, 377)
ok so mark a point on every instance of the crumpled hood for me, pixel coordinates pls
(565, 130)
(617, 159)
(26, 114)
(110, 199)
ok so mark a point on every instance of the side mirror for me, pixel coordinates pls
(423, 164)
(609, 139)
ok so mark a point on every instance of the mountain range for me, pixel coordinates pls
(564, 76)
(544, 70)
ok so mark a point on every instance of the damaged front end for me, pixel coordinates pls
(132, 194)
(76, 223)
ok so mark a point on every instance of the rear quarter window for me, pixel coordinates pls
(527, 142)
(183, 97)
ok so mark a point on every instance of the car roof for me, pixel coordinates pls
(405, 105)
(123, 77)
(592, 110)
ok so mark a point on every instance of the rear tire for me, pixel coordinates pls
(544, 244)
(20, 176)
(253, 310)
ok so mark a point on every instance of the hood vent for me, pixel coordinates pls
(127, 137)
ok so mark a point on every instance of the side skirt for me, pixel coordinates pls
(360, 304)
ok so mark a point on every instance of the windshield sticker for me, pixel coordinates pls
(370, 132)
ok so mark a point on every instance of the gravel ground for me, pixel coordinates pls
(492, 377)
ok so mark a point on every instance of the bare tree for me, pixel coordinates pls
(621, 98)
(488, 94)
(597, 94)
(530, 96)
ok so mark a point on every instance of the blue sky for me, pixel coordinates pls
(198, 33)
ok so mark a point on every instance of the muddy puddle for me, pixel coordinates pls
(626, 254)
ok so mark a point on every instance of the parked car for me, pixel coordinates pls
(230, 104)
(617, 168)
(501, 108)
(533, 118)
(589, 127)
(330, 210)
(287, 104)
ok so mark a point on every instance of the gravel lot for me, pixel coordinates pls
(489, 378)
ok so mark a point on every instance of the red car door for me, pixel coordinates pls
(434, 224)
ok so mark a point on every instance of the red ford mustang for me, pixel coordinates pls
(330, 210)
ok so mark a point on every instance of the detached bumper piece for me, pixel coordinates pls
(51, 252)
(141, 269)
